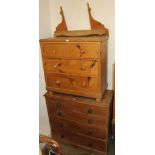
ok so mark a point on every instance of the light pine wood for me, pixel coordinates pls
(80, 33)
(76, 65)
(95, 25)
(62, 26)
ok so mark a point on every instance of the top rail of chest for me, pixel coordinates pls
(71, 50)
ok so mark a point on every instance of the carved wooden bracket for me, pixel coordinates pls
(62, 26)
(96, 27)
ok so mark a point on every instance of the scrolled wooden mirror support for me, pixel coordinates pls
(96, 27)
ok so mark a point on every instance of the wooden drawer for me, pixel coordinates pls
(71, 50)
(77, 67)
(74, 127)
(61, 105)
(92, 120)
(91, 109)
(79, 140)
(80, 85)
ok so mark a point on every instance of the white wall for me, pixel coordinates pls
(76, 16)
(44, 32)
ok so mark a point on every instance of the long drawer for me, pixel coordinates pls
(91, 143)
(73, 50)
(80, 85)
(76, 127)
(77, 67)
(71, 103)
(92, 120)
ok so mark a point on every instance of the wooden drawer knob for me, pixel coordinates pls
(54, 51)
(90, 144)
(57, 82)
(81, 50)
(83, 68)
(59, 113)
(90, 111)
(61, 125)
(90, 121)
(62, 136)
(55, 66)
(84, 84)
(58, 104)
(90, 133)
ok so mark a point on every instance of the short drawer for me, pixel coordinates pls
(91, 109)
(59, 105)
(92, 143)
(71, 50)
(79, 85)
(77, 67)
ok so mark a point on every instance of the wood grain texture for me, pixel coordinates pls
(95, 25)
(76, 67)
(80, 121)
(80, 33)
(62, 26)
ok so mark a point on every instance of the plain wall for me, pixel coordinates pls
(76, 16)
(44, 32)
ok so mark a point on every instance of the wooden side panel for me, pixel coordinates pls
(104, 62)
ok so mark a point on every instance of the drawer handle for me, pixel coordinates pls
(61, 125)
(81, 50)
(90, 121)
(90, 111)
(55, 66)
(83, 68)
(54, 51)
(62, 136)
(57, 82)
(84, 84)
(59, 113)
(90, 144)
(58, 104)
(90, 133)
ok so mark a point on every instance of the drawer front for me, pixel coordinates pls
(55, 50)
(83, 84)
(59, 105)
(77, 67)
(73, 127)
(91, 143)
(94, 121)
(91, 109)
(71, 50)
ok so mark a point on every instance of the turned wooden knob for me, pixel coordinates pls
(54, 51)
(84, 84)
(83, 68)
(90, 111)
(55, 66)
(57, 82)
(59, 113)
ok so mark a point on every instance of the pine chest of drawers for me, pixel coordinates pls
(81, 121)
(75, 66)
